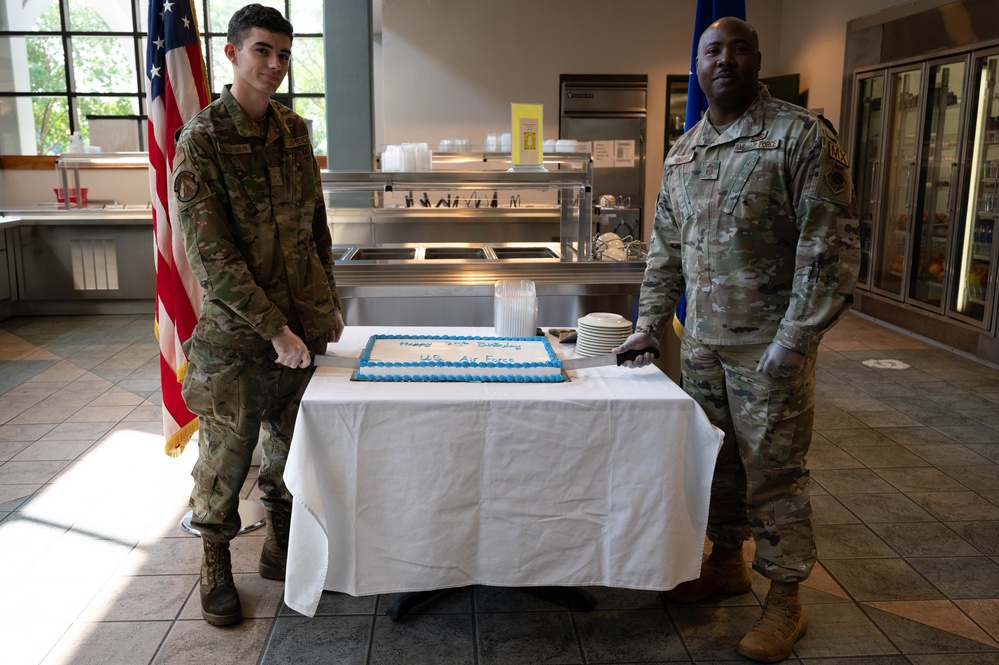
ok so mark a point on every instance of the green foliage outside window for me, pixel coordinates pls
(48, 74)
(105, 79)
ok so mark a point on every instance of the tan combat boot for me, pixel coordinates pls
(274, 555)
(782, 624)
(219, 600)
(723, 572)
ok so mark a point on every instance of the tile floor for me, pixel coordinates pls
(94, 568)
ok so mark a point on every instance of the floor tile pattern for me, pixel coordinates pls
(94, 569)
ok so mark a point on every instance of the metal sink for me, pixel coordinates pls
(418, 252)
(383, 254)
(524, 253)
(438, 253)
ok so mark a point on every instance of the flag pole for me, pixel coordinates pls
(177, 90)
(708, 11)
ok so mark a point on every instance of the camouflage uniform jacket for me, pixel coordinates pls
(254, 224)
(758, 224)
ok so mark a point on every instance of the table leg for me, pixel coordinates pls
(572, 598)
(402, 605)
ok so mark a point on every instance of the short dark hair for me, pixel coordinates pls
(256, 16)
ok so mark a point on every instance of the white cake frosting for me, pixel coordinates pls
(446, 358)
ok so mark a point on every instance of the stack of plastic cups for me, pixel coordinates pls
(515, 308)
(407, 157)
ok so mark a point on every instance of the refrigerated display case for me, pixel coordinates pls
(894, 241)
(939, 182)
(926, 174)
(867, 157)
(921, 121)
(974, 294)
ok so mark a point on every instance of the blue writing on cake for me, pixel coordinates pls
(494, 359)
(500, 345)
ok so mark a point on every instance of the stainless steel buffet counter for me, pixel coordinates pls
(452, 283)
(101, 261)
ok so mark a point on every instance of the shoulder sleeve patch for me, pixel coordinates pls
(832, 183)
(186, 186)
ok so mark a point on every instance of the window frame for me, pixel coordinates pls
(138, 35)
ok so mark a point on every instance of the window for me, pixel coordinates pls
(79, 65)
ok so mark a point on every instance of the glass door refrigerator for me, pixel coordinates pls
(893, 243)
(867, 159)
(939, 187)
(973, 294)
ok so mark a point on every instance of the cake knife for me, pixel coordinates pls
(567, 364)
(609, 359)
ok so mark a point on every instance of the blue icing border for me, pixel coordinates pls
(365, 361)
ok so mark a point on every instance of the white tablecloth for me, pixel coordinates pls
(599, 481)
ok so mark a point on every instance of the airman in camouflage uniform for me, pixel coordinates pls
(253, 217)
(756, 223)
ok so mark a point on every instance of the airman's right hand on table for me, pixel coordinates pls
(639, 340)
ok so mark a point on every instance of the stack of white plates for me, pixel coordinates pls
(600, 332)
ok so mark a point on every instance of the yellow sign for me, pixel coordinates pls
(527, 137)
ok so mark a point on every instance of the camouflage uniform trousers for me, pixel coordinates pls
(240, 399)
(760, 483)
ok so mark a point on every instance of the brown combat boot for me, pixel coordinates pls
(724, 573)
(274, 555)
(219, 600)
(782, 624)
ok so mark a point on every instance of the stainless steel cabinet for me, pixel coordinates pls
(78, 263)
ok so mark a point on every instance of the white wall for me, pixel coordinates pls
(25, 189)
(813, 43)
(451, 68)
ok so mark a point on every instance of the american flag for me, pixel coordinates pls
(178, 90)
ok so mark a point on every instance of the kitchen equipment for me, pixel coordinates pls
(608, 112)
(61, 195)
(609, 247)
(622, 221)
(614, 254)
